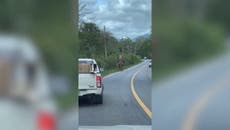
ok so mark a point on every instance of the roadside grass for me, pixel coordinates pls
(109, 71)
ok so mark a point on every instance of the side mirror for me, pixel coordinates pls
(101, 69)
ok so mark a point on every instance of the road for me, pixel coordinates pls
(194, 99)
(120, 107)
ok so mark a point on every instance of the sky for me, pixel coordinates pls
(123, 18)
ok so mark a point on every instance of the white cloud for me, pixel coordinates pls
(121, 17)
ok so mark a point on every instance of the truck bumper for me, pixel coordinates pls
(90, 92)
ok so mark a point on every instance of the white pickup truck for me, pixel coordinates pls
(90, 81)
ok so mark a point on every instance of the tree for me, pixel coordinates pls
(126, 45)
(144, 48)
(111, 43)
(90, 40)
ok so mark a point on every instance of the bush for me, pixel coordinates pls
(131, 59)
(182, 41)
(107, 63)
(111, 61)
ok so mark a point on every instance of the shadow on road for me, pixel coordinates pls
(85, 102)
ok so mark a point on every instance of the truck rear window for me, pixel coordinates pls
(85, 66)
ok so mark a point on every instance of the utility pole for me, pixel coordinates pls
(105, 44)
(122, 45)
(135, 47)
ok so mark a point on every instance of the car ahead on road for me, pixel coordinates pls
(90, 81)
(26, 102)
(150, 63)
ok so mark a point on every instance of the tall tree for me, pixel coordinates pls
(90, 40)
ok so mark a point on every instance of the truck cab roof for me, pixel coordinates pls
(87, 60)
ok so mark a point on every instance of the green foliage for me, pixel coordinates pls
(131, 59)
(92, 45)
(218, 12)
(111, 61)
(183, 41)
(144, 48)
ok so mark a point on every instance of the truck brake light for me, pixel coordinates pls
(98, 81)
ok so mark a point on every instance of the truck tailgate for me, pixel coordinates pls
(87, 81)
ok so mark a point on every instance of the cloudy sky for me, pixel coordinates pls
(123, 18)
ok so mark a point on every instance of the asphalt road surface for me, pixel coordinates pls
(195, 99)
(120, 107)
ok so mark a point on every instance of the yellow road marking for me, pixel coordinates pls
(200, 104)
(139, 101)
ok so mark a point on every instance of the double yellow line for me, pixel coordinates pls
(138, 99)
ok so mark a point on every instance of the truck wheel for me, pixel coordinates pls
(100, 99)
